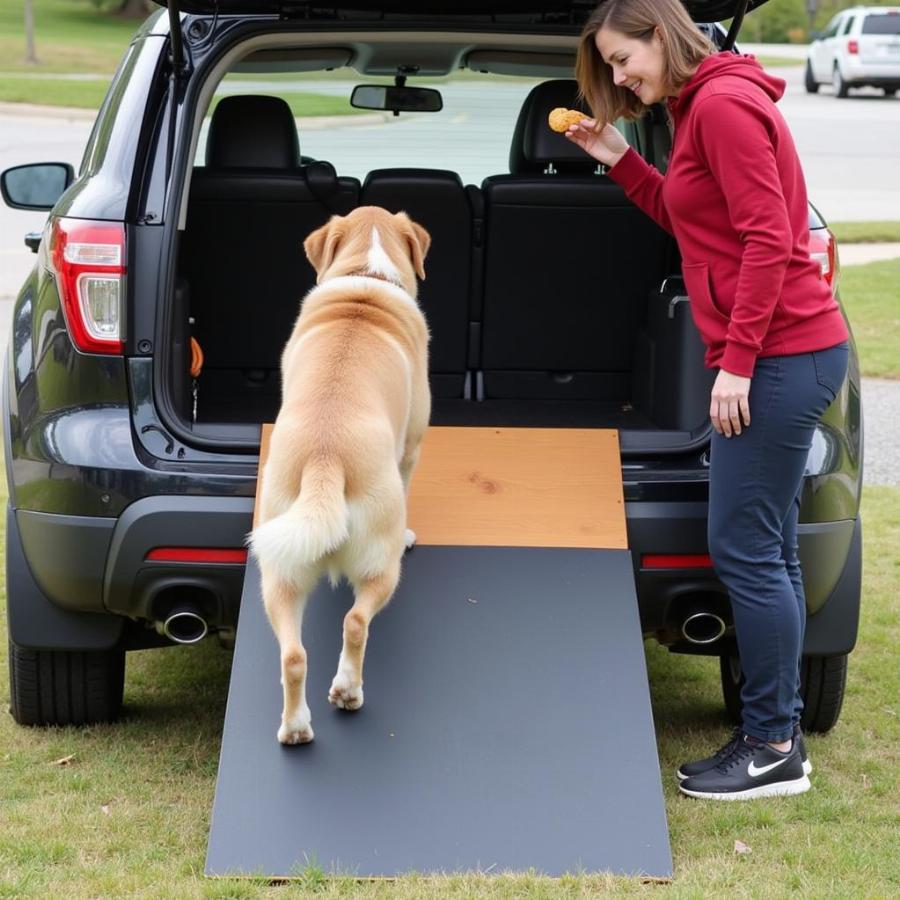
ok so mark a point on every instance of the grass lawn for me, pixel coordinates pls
(303, 103)
(865, 232)
(53, 91)
(69, 36)
(779, 62)
(871, 297)
(129, 813)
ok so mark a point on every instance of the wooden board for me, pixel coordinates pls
(516, 487)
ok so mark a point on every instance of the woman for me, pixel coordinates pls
(734, 197)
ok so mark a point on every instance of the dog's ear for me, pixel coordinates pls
(321, 246)
(419, 241)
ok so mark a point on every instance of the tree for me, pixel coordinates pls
(134, 9)
(30, 55)
(126, 9)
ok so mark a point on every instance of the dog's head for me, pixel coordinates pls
(370, 241)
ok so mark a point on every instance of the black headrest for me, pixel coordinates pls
(534, 145)
(250, 131)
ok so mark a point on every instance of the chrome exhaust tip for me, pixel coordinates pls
(185, 626)
(703, 628)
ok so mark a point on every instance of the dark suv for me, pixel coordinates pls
(146, 341)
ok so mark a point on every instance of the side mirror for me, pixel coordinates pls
(396, 99)
(815, 35)
(36, 185)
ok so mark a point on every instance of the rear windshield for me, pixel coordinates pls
(470, 135)
(888, 23)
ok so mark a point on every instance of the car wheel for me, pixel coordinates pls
(837, 81)
(812, 86)
(823, 681)
(65, 687)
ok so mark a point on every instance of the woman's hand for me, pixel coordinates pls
(730, 403)
(605, 144)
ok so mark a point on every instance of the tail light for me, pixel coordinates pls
(676, 561)
(88, 260)
(853, 47)
(200, 555)
(823, 249)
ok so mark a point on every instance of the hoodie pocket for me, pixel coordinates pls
(711, 321)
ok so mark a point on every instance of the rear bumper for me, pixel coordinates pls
(877, 74)
(81, 565)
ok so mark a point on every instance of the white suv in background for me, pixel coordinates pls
(859, 48)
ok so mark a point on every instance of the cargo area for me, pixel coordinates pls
(551, 299)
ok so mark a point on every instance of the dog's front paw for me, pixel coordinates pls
(410, 537)
(344, 694)
(297, 730)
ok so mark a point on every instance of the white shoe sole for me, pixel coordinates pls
(779, 789)
(807, 770)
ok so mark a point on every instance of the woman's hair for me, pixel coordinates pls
(684, 48)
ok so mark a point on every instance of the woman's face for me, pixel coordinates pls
(636, 65)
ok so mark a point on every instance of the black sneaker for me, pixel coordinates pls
(688, 770)
(753, 769)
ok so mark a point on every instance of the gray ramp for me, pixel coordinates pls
(506, 726)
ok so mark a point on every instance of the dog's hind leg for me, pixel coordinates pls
(407, 464)
(372, 594)
(284, 606)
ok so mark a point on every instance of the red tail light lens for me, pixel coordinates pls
(676, 561)
(823, 249)
(853, 47)
(198, 555)
(88, 259)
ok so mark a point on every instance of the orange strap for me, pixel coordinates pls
(196, 358)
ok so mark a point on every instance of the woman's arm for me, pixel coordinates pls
(642, 182)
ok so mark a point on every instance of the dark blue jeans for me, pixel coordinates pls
(755, 481)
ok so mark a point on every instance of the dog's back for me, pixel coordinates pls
(355, 394)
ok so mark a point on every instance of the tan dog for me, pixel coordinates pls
(355, 406)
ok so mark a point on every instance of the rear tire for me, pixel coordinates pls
(810, 83)
(823, 681)
(65, 687)
(837, 81)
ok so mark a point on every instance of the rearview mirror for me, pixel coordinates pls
(396, 99)
(36, 185)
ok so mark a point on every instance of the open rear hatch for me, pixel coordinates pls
(650, 383)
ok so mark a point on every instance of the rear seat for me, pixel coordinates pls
(437, 200)
(250, 209)
(536, 284)
(569, 263)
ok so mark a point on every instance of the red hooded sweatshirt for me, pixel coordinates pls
(735, 199)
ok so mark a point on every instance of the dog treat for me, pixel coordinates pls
(561, 118)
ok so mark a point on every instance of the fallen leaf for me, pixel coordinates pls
(741, 847)
(65, 761)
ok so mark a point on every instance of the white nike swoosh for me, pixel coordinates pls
(753, 772)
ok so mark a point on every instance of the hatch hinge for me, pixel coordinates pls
(736, 23)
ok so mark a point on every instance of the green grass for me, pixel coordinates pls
(53, 92)
(69, 36)
(779, 62)
(130, 814)
(865, 232)
(305, 103)
(871, 298)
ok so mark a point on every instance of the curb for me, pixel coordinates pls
(33, 111)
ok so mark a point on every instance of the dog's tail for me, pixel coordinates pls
(315, 524)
